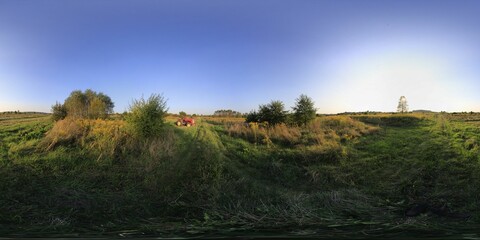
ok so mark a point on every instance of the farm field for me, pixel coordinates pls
(340, 176)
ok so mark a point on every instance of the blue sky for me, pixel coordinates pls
(209, 55)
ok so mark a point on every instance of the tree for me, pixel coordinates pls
(304, 110)
(76, 104)
(88, 104)
(182, 114)
(252, 117)
(109, 105)
(227, 113)
(146, 118)
(59, 111)
(97, 108)
(402, 105)
(274, 113)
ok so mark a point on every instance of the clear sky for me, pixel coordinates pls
(236, 54)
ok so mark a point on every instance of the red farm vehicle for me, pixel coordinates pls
(186, 121)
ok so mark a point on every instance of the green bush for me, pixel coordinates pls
(146, 118)
(274, 113)
(88, 104)
(252, 117)
(304, 110)
(59, 111)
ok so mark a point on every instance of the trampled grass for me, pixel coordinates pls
(347, 175)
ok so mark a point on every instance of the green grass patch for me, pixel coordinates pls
(343, 175)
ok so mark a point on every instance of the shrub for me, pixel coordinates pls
(97, 109)
(252, 117)
(274, 113)
(59, 111)
(88, 104)
(304, 110)
(146, 118)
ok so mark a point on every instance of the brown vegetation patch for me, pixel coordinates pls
(325, 131)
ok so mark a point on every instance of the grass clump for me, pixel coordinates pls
(64, 132)
(107, 138)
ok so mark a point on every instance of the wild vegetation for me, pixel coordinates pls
(227, 113)
(338, 175)
(88, 104)
(274, 113)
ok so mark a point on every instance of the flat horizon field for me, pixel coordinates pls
(333, 119)
(339, 177)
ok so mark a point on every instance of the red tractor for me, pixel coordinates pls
(186, 121)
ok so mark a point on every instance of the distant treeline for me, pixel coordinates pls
(227, 113)
(414, 111)
(18, 112)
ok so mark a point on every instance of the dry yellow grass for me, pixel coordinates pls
(224, 120)
(343, 126)
(107, 138)
(64, 131)
(323, 131)
(103, 135)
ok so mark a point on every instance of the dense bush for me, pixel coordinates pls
(304, 110)
(252, 117)
(88, 104)
(274, 113)
(146, 117)
(59, 111)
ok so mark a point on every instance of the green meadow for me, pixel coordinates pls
(338, 176)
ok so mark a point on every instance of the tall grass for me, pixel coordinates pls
(107, 137)
(169, 168)
(322, 131)
(223, 175)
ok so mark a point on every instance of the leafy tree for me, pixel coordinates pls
(59, 111)
(146, 118)
(97, 108)
(76, 104)
(402, 105)
(252, 117)
(109, 105)
(182, 114)
(274, 113)
(227, 113)
(88, 104)
(304, 110)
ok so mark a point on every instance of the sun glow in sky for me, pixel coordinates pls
(210, 55)
(428, 79)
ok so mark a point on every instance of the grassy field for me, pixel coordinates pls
(341, 176)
